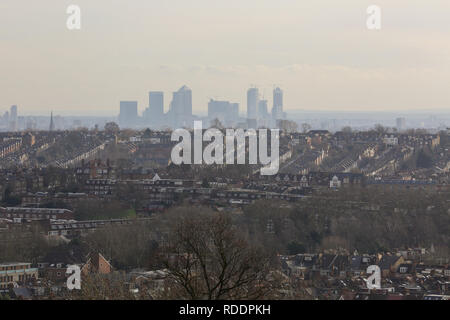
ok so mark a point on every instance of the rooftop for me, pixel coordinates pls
(9, 264)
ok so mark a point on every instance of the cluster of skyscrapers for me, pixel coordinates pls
(257, 109)
(179, 114)
(9, 120)
(224, 112)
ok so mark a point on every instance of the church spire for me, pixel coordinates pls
(52, 125)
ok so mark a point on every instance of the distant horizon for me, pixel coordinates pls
(321, 54)
(445, 111)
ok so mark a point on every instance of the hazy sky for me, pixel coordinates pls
(320, 52)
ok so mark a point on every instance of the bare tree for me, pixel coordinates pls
(102, 287)
(208, 258)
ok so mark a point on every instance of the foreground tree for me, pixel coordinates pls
(102, 287)
(208, 258)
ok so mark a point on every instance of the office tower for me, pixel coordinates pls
(263, 114)
(13, 113)
(128, 113)
(6, 118)
(277, 109)
(262, 109)
(181, 108)
(155, 112)
(234, 112)
(252, 104)
(401, 124)
(13, 118)
(226, 112)
(218, 110)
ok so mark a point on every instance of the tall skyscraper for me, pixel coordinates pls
(277, 109)
(128, 113)
(155, 111)
(262, 109)
(13, 113)
(263, 114)
(13, 118)
(252, 103)
(181, 108)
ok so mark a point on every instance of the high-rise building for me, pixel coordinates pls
(181, 108)
(252, 103)
(277, 109)
(227, 113)
(13, 118)
(218, 110)
(13, 113)
(401, 124)
(6, 118)
(155, 112)
(263, 114)
(128, 113)
(234, 111)
(262, 109)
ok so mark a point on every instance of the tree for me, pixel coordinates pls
(10, 199)
(128, 246)
(381, 129)
(347, 129)
(216, 124)
(208, 258)
(112, 127)
(101, 287)
(306, 127)
(424, 160)
(295, 248)
(205, 183)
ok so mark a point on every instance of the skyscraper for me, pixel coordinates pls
(155, 111)
(13, 118)
(227, 113)
(181, 108)
(234, 112)
(277, 109)
(128, 113)
(13, 113)
(252, 103)
(262, 109)
(218, 110)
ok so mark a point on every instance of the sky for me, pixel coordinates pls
(319, 52)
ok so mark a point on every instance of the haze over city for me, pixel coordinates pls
(227, 157)
(320, 54)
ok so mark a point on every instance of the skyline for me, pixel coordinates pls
(321, 54)
(142, 108)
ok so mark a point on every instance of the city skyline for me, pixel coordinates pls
(244, 153)
(321, 54)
